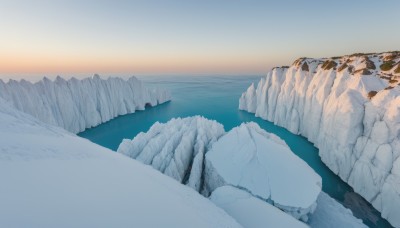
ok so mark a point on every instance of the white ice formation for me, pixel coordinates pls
(52, 178)
(246, 157)
(249, 158)
(176, 148)
(349, 107)
(79, 104)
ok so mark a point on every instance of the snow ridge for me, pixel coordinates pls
(349, 107)
(79, 104)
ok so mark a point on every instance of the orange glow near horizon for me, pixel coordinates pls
(45, 63)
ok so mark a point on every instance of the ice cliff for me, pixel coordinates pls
(349, 107)
(79, 104)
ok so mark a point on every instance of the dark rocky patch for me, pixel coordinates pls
(364, 71)
(388, 65)
(350, 69)
(328, 64)
(342, 67)
(305, 67)
(370, 64)
(372, 94)
(397, 70)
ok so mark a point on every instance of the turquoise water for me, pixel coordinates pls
(217, 98)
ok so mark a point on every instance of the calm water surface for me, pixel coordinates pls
(217, 98)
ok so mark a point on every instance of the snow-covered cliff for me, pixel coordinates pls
(349, 107)
(79, 104)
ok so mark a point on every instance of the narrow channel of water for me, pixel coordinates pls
(216, 97)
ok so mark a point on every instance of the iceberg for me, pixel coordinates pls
(260, 163)
(349, 107)
(52, 178)
(79, 104)
(176, 148)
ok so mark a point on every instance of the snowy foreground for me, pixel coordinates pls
(248, 172)
(79, 104)
(52, 178)
(349, 107)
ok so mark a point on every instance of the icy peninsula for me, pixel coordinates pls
(349, 107)
(187, 172)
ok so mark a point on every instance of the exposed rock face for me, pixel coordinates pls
(79, 104)
(357, 133)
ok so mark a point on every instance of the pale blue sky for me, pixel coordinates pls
(188, 36)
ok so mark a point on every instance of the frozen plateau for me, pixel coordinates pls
(251, 174)
(349, 107)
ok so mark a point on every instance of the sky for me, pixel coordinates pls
(187, 36)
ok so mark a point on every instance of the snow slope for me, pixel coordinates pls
(249, 158)
(79, 104)
(52, 178)
(349, 107)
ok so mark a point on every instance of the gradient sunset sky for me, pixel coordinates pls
(168, 36)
